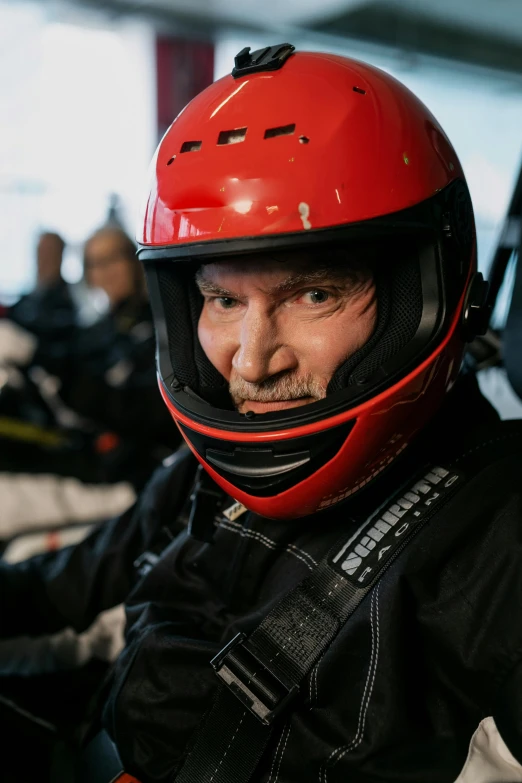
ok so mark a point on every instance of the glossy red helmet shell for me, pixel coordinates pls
(290, 156)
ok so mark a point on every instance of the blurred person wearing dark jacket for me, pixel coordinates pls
(48, 312)
(86, 425)
(109, 377)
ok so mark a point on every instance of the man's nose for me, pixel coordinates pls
(262, 351)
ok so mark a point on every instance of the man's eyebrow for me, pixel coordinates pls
(341, 276)
(344, 277)
(206, 286)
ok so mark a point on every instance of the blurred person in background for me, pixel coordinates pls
(52, 471)
(50, 474)
(82, 425)
(110, 376)
(110, 263)
(48, 311)
(99, 380)
(53, 480)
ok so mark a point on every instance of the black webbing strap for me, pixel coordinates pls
(261, 674)
(265, 671)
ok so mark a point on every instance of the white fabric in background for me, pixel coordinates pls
(29, 544)
(65, 650)
(17, 346)
(29, 502)
(489, 759)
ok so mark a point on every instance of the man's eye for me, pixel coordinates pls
(225, 302)
(316, 296)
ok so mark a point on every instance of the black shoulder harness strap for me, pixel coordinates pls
(261, 675)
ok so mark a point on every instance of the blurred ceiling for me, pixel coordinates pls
(482, 32)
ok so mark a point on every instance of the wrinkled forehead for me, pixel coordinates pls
(289, 268)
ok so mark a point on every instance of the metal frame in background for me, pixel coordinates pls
(509, 241)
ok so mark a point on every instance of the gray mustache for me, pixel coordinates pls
(280, 389)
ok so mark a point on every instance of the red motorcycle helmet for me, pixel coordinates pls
(304, 150)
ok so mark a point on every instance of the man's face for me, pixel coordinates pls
(278, 330)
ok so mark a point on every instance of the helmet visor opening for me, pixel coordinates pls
(410, 312)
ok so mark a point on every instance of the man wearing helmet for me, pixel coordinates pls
(351, 563)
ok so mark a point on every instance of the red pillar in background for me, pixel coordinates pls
(183, 68)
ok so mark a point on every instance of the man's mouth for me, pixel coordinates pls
(276, 405)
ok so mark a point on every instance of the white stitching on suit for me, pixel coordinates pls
(282, 753)
(277, 753)
(235, 527)
(337, 754)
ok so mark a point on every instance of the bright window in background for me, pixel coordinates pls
(480, 110)
(78, 118)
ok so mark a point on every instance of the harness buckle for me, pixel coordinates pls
(263, 690)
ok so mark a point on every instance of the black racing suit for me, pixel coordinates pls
(434, 649)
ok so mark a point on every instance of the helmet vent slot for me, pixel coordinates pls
(281, 130)
(232, 136)
(359, 90)
(191, 146)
